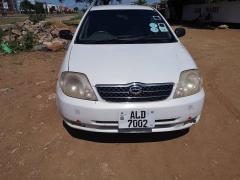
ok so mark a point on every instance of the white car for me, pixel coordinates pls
(126, 71)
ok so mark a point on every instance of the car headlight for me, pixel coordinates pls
(190, 83)
(77, 85)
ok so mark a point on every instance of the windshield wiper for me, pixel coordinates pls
(126, 39)
(105, 41)
(146, 38)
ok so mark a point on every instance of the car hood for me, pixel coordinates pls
(121, 64)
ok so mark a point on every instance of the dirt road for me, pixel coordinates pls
(34, 144)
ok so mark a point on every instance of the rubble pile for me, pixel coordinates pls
(46, 37)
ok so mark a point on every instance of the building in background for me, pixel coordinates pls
(226, 11)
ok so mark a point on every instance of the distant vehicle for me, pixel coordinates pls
(126, 71)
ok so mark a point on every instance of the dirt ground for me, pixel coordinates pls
(34, 144)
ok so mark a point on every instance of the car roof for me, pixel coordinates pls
(116, 7)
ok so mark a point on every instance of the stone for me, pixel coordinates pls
(21, 163)
(40, 82)
(55, 32)
(51, 96)
(24, 32)
(223, 26)
(8, 27)
(27, 21)
(55, 45)
(28, 28)
(40, 47)
(35, 32)
(42, 23)
(45, 38)
(19, 37)
(5, 90)
(14, 150)
(39, 96)
(19, 24)
(6, 38)
(17, 32)
(70, 153)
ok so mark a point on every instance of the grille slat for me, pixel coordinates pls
(122, 93)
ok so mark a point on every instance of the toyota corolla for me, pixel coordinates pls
(126, 71)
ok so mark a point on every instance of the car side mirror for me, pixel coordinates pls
(66, 34)
(180, 32)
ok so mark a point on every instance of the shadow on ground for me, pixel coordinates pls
(124, 137)
(196, 26)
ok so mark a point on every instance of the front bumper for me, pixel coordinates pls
(101, 116)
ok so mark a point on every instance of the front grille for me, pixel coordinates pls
(135, 92)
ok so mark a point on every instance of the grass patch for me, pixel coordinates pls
(12, 20)
(73, 21)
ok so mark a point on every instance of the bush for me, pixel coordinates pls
(15, 46)
(48, 24)
(1, 34)
(37, 17)
(39, 8)
(28, 41)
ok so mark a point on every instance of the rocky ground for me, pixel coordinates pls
(45, 35)
(34, 144)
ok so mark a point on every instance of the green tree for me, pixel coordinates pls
(96, 2)
(26, 6)
(39, 9)
(140, 2)
(76, 9)
(84, 1)
(52, 9)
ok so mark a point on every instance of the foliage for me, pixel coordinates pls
(52, 9)
(15, 46)
(102, 2)
(140, 2)
(39, 9)
(1, 34)
(76, 9)
(84, 1)
(30, 8)
(26, 6)
(28, 41)
(37, 17)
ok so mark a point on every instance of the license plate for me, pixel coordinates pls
(136, 119)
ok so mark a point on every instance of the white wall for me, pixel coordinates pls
(221, 12)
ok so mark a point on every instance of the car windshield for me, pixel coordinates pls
(124, 27)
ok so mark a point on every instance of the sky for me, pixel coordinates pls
(71, 3)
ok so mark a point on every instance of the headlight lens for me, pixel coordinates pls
(77, 85)
(190, 83)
